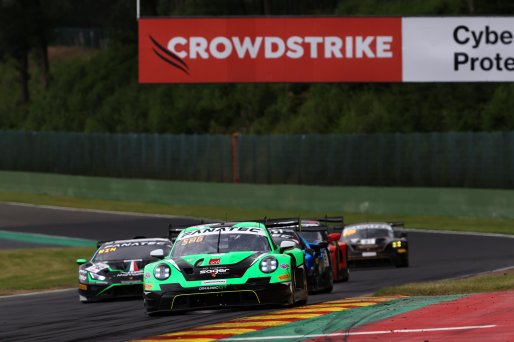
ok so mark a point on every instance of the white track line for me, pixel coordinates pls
(124, 213)
(343, 334)
(455, 232)
(37, 293)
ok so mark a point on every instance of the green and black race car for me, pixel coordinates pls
(116, 268)
(221, 265)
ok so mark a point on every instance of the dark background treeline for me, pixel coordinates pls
(47, 87)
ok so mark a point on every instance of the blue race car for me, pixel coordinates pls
(317, 257)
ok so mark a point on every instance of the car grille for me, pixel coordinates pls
(218, 299)
(126, 290)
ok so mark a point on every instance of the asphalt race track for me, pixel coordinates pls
(59, 316)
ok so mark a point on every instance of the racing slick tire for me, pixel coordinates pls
(303, 301)
(345, 274)
(329, 282)
(294, 284)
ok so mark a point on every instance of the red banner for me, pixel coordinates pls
(221, 50)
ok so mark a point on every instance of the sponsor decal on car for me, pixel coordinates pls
(207, 288)
(194, 239)
(217, 230)
(215, 271)
(214, 261)
(132, 244)
(214, 282)
(284, 277)
(130, 274)
(107, 250)
(284, 266)
(325, 260)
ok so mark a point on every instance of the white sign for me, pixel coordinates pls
(458, 49)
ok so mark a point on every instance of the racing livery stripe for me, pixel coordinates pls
(264, 322)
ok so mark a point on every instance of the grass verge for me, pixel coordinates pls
(28, 270)
(490, 282)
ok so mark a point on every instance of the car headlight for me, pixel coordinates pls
(162, 272)
(397, 244)
(268, 264)
(96, 276)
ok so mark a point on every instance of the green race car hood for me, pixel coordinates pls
(223, 265)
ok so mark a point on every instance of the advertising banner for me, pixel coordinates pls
(463, 49)
(306, 49)
(326, 49)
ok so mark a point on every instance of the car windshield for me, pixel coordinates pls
(220, 242)
(312, 236)
(366, 233)
(130, 250)
(279, 235)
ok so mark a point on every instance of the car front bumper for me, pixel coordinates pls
(97, 292)
(173, 297)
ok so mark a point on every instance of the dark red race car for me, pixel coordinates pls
(338, 249)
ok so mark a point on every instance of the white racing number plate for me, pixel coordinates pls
(369, 254)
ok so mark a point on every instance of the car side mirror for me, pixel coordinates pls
(334, 237)
(286, 245)
(157, 253)
(81, 261)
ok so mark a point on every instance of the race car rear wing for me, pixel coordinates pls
(335, 224)
(396, 224)
(174, 232)
(293, 223)
(331, 219)
(398, 229)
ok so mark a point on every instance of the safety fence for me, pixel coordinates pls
(458, 159)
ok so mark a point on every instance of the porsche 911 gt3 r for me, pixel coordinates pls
(222, 265)
(116, 268)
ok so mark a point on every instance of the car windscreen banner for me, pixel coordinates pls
(315, 49)
(326, 49)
